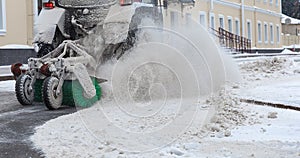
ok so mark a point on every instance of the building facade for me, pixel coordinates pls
(16, 21)
(257, 20)
(290, 31)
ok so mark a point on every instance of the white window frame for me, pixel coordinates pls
(271, 33)
(212, 15)
(221, 17)
(204, 15)
(237, 27)
(188, 19)
(3, 30)
(175, 21)
(266, 33)
(259, 34)
(249, 21)
(278, 34)
(230, 18)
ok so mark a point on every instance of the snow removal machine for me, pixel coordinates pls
(66, 34)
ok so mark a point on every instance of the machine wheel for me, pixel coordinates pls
(51, 100)
(24, 94)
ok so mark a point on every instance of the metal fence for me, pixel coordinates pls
(233, 41)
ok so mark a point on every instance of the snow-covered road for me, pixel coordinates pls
(17, 123)
(235, 130)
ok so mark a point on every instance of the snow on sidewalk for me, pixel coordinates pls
(5, 71)
(273, 124)
(286, 92)
(7, 86)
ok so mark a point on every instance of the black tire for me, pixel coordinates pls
(24, 95)
(44, 49)
(51, 100)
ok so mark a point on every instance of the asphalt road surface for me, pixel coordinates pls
(17, 124)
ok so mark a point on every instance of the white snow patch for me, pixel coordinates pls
(293, 20)
(284, 128)
(287, 92)
(7, 86)
(16, 46)
(5, 70)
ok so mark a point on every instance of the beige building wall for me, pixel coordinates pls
(19, 22)
(291, 34)
(292, 29)
(244, 19)
(290, 40)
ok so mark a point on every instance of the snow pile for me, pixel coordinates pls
(266, 68)
(287, 51)
(229, 114)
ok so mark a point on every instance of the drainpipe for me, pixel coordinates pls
(35, 10)
(209, 14)
(243, 19)
(254, 40)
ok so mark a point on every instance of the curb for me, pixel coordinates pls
(5, 78)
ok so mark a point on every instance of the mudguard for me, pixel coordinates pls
(117, 22)
(48, 21)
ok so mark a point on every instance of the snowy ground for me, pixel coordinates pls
(7, 86)
(220, 126)
(5, 71)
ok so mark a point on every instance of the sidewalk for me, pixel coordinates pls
(5, 73)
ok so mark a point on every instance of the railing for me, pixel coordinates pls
(233, 41)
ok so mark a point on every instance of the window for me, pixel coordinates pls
(237, 26)
(271, 1)
(188, 19)
(276, 2)
(277, 34)
(203, 19)
(174, 19)
(266, 32)
(229, 24)
(259, 32)
(271, 33)
(221, 21)
(212, 20)
(249, 31)
(2, 17)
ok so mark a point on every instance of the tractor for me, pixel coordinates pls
(63, 71)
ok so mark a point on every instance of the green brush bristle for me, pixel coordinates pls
(38, 90)
(72, 93)
(67, 93)
(80, 100)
